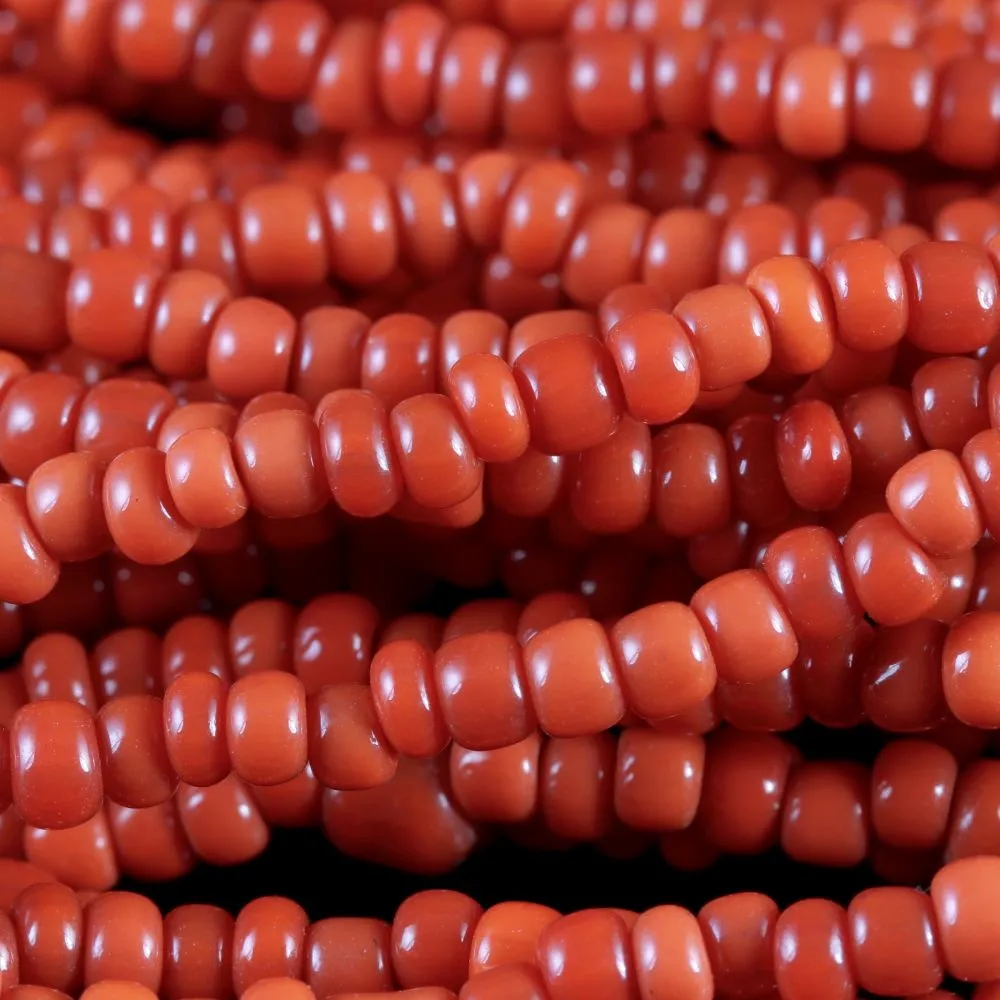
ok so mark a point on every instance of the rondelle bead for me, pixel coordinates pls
(404, 689)
(664, 660)
(572, 679)
(438, 463)
(933, 501)
(65, 503)
(484, 699)
(748, 631)
(268, 941)
(197, 952)
(134, 761)
(952, 290)
(656, 364)
(960, 892)
(746, 777)
(668, 950)
(484, 391)
(895, 580)
(347, 748)
(55, 765)
(912, 784)
(38, 417)
(203, 481)
(811, 952)
(692, 492)
(739, 939)
(48, 919)
(109, 302)
(432, 936)
(266, 727)
(348, 955)
(281, 236)
(142, 517)
(519, 981)
(123, 940)
(805, 566)
(221, 822)
(813, 455)
(280, 466)
(729, 333)
(27, 571)
(970, 685)
(870, 295)
(799, 311)
(250, 351)
(658, 779)
(497, 786)
(825, 816)
(587, 955)
(571, 393)
(894, 942)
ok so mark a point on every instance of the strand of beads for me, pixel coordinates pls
(891, 941)
(471, 79)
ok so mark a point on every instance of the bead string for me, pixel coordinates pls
(945, 931)
(815, 99)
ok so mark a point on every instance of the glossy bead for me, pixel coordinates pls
(912, 786)
(571, 394)
(572, 679)
(799, 311)
(746, 777)
(109, 302)
(729, 333)
(656, 364)
(142, 518)
(134, 761)
(497, 786)
(483, 389)
(894, 946)
(436, 458)
(587, 955)
(658, 779)
(805, 566)
(968, 681)
(481, 681)
(266, 727)
(670, 956)
(432, 935)
(48, 919)
(933, 501)
(950, 283)
(250, 351)
(811, 952)
(749, 634)
(347, 748)
(692, 492)
(56, 770)
(960, 892)
(123, 940)
(825, 818)
(894, 579)
(64, 497)
(203, 481)
(739, 940)
(268, 941)
(37, 419)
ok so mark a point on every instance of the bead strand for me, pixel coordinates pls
(894, 941)
(472, 80)
(462, 703)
